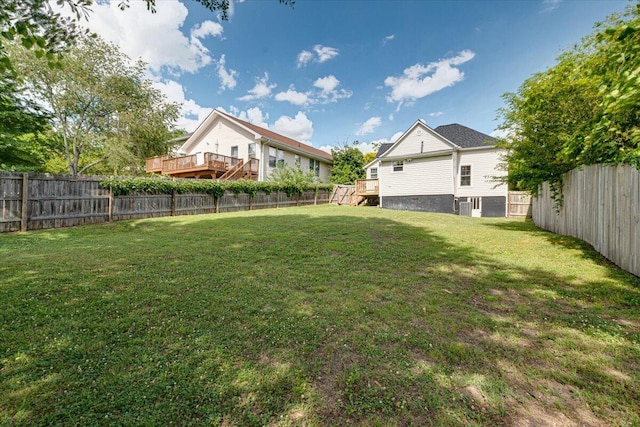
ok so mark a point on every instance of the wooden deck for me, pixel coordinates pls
(367, 187)
(204, 165)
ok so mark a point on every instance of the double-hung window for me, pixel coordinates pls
(234, 151)
(276, 157)
(398, 166)
(465, 176)
(314, 166)
(373, 173)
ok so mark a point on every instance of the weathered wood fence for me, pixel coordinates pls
(39, 201)
(601, 206)
(519, 204)
(344, 195)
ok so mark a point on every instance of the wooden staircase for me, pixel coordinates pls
(234, 172)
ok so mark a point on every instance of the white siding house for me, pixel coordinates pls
(436, 169)
(223, 143)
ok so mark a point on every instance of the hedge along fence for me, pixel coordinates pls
(65, 201)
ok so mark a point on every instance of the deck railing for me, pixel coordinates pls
(367, 187)
(208, 161)
(203, 162)
(154, 164)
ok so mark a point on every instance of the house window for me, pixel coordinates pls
(252, 150)
(234, 151)
(398, 166)
(465, 176)
(314, 165)
(276, 157)
(272, 157)
(297, 161)
(373, 173)
(280, 162)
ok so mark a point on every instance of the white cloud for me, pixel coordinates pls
(391, 117)
(369, 126)
(420, 80)
(206, 28)
(298, 127)
(293, 96)
(228, 78)
(320, 54)
(327, 84)
(436, 114)
(388, 39)
(329, 89)
(325, 53)
(252, 115)
(395, 136)
(304, 58)
(550, 5)
(192, 113)
(262, 89)
(155, 38)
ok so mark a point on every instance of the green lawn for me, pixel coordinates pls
(315, 316)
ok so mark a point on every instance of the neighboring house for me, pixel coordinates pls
(435, 169)
(225, 147)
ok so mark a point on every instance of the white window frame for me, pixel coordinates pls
(314, 166)
(252, 150)
(273, 154)
(237, 150)
(398, 166)
(373, 173)
(461, 184)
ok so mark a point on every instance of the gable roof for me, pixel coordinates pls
(284, 140)
(465, 137)
(384, 147)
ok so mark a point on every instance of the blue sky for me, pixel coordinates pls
(333, 72)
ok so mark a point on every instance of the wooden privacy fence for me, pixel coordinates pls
(343, 195)
(601, 206)
(519, 204)
(38, 201)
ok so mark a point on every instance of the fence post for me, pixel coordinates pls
(250, 202)
(110, 204)
(173, 203)
(277, 198)
(217, 204)
(25, 202)
(315, 198)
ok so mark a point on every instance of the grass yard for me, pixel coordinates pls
(315, 316)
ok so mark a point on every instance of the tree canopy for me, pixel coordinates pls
(348, 163)
(583, 110)
(102, 108)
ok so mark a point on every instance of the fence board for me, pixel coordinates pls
(54, 201)
(601, 206)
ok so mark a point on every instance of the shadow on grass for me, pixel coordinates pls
(309, 317)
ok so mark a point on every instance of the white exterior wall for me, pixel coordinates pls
(418, 140)
(483, 166)
(374, 165)
(225, 135)
(290, 160)
(426, 176)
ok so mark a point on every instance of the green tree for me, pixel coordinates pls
(103, 109)
(22, 124)
(583, 110)
(369, 157)
(292, 176)
(348, 164)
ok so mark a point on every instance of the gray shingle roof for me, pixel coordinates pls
(463, 136)
(383, 148)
